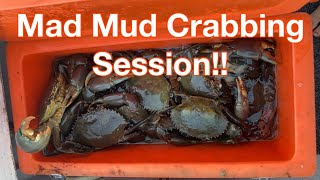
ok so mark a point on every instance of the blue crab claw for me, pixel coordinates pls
(32, 141)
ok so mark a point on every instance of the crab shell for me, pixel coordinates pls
(200, 118)
(153, 90)
(200, 86)
(99, 128)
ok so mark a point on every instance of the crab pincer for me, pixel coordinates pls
(78, 69)
(241, 107)
(256, 50)
(30, 140)
(96, 83)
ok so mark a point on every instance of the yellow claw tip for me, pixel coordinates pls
(44, 133)
(29, 119)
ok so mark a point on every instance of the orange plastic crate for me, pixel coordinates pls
(291, 154)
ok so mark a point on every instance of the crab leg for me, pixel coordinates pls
(176, 138)
(67, 146)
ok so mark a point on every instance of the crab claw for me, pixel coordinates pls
(30, 140)
(101, 83)
(77, 81)
(241, 107)
(267, 52)
(90, 75)
(253, 50)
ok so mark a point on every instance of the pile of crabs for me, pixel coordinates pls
(83, 112)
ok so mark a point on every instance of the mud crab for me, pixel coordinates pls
(179, 130)
(104, 124)
(205, 118)
(155, 125)
(69, 75)
(153, 91)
